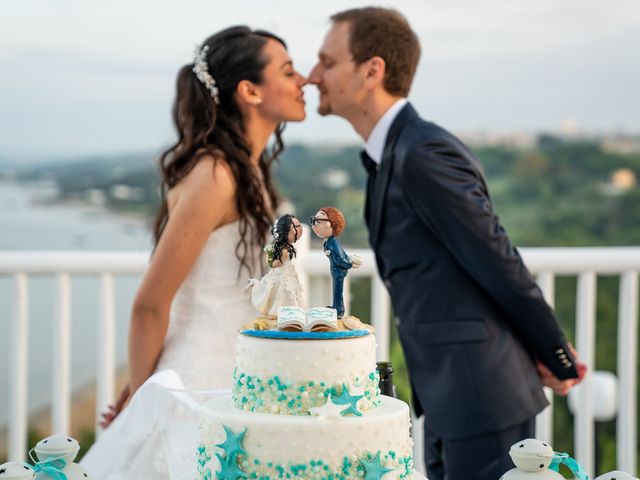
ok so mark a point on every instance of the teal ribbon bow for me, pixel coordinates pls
(570, 463)
(52, 467)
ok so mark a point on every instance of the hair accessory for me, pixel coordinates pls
(201, 70)
(274, 230)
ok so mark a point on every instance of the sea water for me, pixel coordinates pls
(30, 220)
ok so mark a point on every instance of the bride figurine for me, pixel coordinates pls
(280, 286)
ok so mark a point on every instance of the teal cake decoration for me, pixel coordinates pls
(283, 397)
(285, 335)
(230, 469)
(373, 468)
(232, 448)
(365, 467)
(233, 443)
(345, 398)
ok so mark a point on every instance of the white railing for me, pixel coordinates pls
(546, 263)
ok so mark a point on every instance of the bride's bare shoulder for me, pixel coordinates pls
(211, 178)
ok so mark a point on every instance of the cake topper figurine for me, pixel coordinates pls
(328, 224)
(280, 286)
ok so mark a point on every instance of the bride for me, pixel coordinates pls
(218, 204)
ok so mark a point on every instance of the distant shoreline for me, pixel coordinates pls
(52, 199)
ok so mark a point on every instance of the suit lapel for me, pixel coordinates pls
(378, 191)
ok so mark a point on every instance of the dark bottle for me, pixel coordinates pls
(385, 370)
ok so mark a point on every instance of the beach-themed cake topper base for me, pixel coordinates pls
(293, 322)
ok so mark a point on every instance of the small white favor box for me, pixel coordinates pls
(532, 459)
(59, 452)
(16, 471)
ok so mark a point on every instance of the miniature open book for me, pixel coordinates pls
(319, 319)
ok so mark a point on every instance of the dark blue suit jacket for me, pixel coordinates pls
(340, 263)
(470, 316)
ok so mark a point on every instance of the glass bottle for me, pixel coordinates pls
(385, 370)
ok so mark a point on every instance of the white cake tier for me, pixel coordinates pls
(288, 377)
(305, 447)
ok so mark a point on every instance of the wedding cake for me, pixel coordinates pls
(305, 405)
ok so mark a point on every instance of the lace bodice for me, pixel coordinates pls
(210, 307)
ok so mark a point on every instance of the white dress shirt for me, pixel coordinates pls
(375, 143)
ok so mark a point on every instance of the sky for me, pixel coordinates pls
(87, 77)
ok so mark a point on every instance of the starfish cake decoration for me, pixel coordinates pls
(373, 468)
(233, 444)
(345, 398)
(229, 468)
(328, 410)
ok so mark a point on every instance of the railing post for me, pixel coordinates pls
(303, 247)
(544, 420)
(106, 346)
(417, 434)
(18, 370)
(347, 295)
(584, 427)
(380, 317)
(61, 371)
(627, 373)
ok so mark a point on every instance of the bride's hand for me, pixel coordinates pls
(114, 410)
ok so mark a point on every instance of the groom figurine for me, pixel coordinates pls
(479, 339)
(327, 224)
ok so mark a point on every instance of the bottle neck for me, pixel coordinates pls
(385, 371)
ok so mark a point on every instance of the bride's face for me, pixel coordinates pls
(296, 231)
(281, 89)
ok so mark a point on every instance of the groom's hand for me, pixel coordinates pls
(561, 387)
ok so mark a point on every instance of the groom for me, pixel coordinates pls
(478, 337)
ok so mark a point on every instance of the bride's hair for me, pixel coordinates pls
(280, 232)
(215, 127)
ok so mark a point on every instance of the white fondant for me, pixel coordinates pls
(388, 425)
(318, 360)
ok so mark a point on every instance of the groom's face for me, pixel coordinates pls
(338, 78)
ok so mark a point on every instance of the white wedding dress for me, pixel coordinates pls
(155, 436)
(280, 287)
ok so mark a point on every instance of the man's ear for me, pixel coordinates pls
(248, 93)
(375, 69)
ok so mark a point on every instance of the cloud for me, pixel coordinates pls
(95, 77)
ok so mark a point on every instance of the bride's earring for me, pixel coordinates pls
(257, 101)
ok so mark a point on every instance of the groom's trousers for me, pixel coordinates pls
(484, 457)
